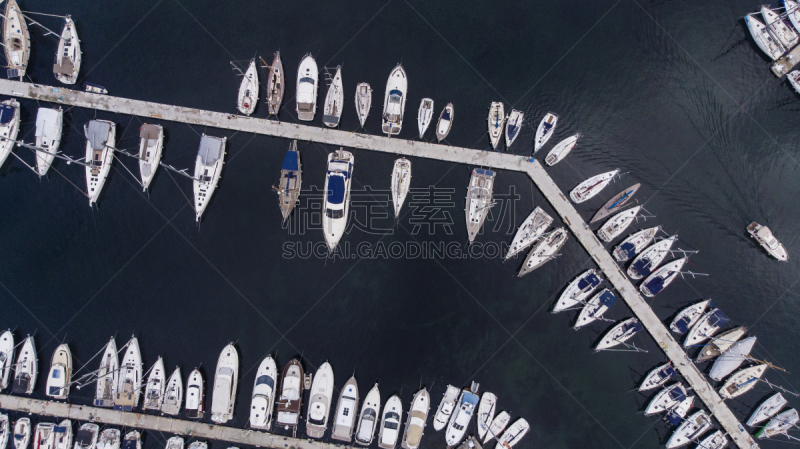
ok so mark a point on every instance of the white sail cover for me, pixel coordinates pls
(47, 123)
(732, 358)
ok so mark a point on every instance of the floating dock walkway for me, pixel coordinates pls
(321, 134)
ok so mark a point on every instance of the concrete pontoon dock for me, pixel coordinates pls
(534, 170)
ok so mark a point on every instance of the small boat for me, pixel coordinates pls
(22, 433)
(132, 440)
(16, 41)
(459, 420)
(780, 424)
(561, 150)
(291, 397)
(307, 85)
(248, 90)
(662, 277)
(49, 123)
(129, 379)
(792, 12)
(651, 258)
(479, 200)
(742, 381)
(764, 237)
(687, 317)
(151, 143)
(634, 244)
(26, 368)
(194, 395)
(529, 231)
(390, 423)
(499, 424)
(9, 127)
(394, 101)
(794, 79)
(716, 440)
(445, 123)
(732, 358)
(263, 399)
(334, 101)
(173, 394)
(496, 120)
(319, 403)
(207, 170)
(446, 407)
(275, 86)
(513, 125)
(769, 45)
(705, 328)
(401, 181)
(767, 409)
(658, 377)
(225, 382)
(544, 250)
(107, 376)
(424, 115)
(336, 202)
(666, 399)
(720, 344)
(363, 102)
(617, 202)
(778, 28)
(417, 416)
(174, 443)
(68, 54)
(545, 131)
(691, 429)
(154, 389)
(368, 420)
(100, 137)
(619, 334)
(86, 438)
(592, 186)
(109, 439)
(291, 180)
(6, 357)
(95, 88)
(344, 420)
(513, 434)
(578, 290)
(43, 436)
(595, 308)
(62, 435)
(617, 224)
(60, 375)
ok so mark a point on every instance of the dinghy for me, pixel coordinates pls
(151, 143)
(86, 438)
(394, 101)
(496, 121)
(346, 411)
(486, 410)
(194, 395)
(154, 389)
(49, 123)
(732, 359)
(578, 290)
(446, 407)
(95, 88)
(16, 41)
(107, 376)
(658, 377)
(561, 150)
(651, 258)
(174, 443)
(6, 357)
(666, 399)
(334, 101)
(778, 28)
(173, 394)
(445, 122)
(22, 433)
(687, 317)
(595, 308)
(513, 125)
(60, 375)
(390, 423)
(592, 186)
(544, 250)
(424, 115)
(479, 200)
(26, 369)
(368, 421)
(716, 440)
(767, 409)
(109, 439)
(513, 434)
(616, 203)
(779, 425)
(529, 231)
(720, 344)
(742, 381)
(132, 440)
(417, 416)
(336, 202)
(619, 334)
(276, 84)
(545, 131)
(9, 127)
(291, 396)
(705, 328)
(307, 85)
(691, 429)
(207, 170)
(664, 276)
(363, 102)
(100, 137)
(62, 435)
(319, 403)
(226, 378)
(291, 180)
(792, 12)
(43, 436)
(248, 90)
(401, 181)
(499, 424)
(617, 224)
(129, 379)
(263, 398)
(763, 38)
(764, 236)
(634, 244)
(459, 420)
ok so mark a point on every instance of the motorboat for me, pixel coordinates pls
(319, 402)
(225, 382)
(276, 84)
(334, 101)
(100, 137)
(424, 115)
(687, 317)
(732, 359)
(716, 440)
(207, 170)
(9, 127)
(767, 409)
(60, 375)
(616, 203)
(401, 181)
(561, 150)
(132, 440)
(6, 357)
(291, 396)
(175, 443)
(95, 88)
(291, 181)
(394, 101)
(446, 407)
(307, 85)
(544, 250)
(344, 420)
(742, 381)
(263, 399)
(619, 334)
(595, 308)
(368, 420)
(662, 277)
(194, 395)
(794, 79)
(644, 264)
(666, 399)
(691, 429)
(479, 200)
(129, 379)
(26, 368)
(445, 123)
(49, 123)
(87, 435)
(107, 376)
(578, 290)
(62, 435)
(513, 434)
(658, 376)
(706, 327)
(496, 121)
(513, 125)
(22, 434)
(792, 12)
(764, 237)
(768, 44)
(592, 186)
(336, 202)
(778, 28)
(151, 144)
(499, 424)
(779, 425)
(617, 224)
(529, 231)
(720, 344)
(16, 41)
(390, 423)
(173, 394)
(417, 417)
(44, 437)
(545, 131)
(363, 102)
(154, 388)
(462, 415)
(486, 411)
(248, 90)
(109, 439)
(634, 244)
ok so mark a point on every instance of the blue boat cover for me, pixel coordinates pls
(481, 171)
(336, 188)
(676, 394)
(655, 286)
(546, 127)
(632, 328)
(395, 92)
(6, 113)
(59, 429)
(470, 398)
(642, 266)
(620, 200)
(673, 418)
(290, 161)
(607, 298)
(666, 373)
(446, 115)
(718, 319)
(589, 282)
(683, 325)
(628, 249)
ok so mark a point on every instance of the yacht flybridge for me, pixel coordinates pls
(225, 381)
(276, 83)
(49, 123)
(417, 417)
(68, 54)
(334, 101)
(207, 169)
(248, 90)
(394, 101)
(151, 143)
(390, 423)
(368, 420)
(479, 200)
(336, 204)
(9, 127)
(100, 137)
(307, 85)
(291, 396)
(107, 376)
(319, 402)
(263, 399)
(129, 379)
(16, 40)
(60, 375)
(195, 405)
(344, 421)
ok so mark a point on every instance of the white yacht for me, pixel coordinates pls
(22, 434)
(513, 125)
(336, 203)
(768, 44)
(86, 438)
(175, 443)
(619, 334)
(394, 101)
(363, 102)
(708, 325)
(60, 374)
(26, 369)
(44, 437)
(780, 424)
(424, 115)
(368, 420)
(545, 131)
(68, 54)
(276, 84)
(207, 170)
(634, 244)
(151, 143)
(658, 376)
(617, 224)
(401, 181)
(9, 127)
(290, 400)
(344, 420)
(319, 403)
(646, 262)
(132, 440)
(479, 200)
(156, 384)
(225, 381)
(544, 250)
(109, 439)
(595, 308)
(499, 424)
(16, 41)
(248, 90)
(107, 376)
(662, 277)
(720, 344)
(291, 181)
(496, 120)
(486, 411)
(62, 435)
(529, 231)
(592, 186)
(732, 358)
(767, 409)
(6, 357)
(334, 101)
(561, 150)
(416, 420)
(778, 28)
(307, 85)
(49, 123)
(691, 429)
(764, 236)
(100, 137)
(459, 420)
(263, 399)
(742, 381)
(173, 394)
(513, 434)
(194, 395)
(446, 407)
(390, 423)
(578, 290)
(129, 379)
(445, 123)
(666, 399)
(687, 317)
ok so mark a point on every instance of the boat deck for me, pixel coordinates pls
(785, 64)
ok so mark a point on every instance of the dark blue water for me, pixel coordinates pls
(675, 94)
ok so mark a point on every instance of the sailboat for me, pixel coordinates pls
(207, 170)
(173, 394)
(634, 244)
(276, 83)
(107, 376)
(336, 204)
(100, 137)
(486, 410)
(479, 200)
(394, 101)
(662, 277)
(592, 186)
(767, 409)
(368, 420)
(194, 395)
(461, 417)
(263, 398)
(175, 443)
(363, 102)
(742, 381)
(68, 54)
(248, 90)
(43, 437)
(529, 231)
(129, 379)
(445, 123)
(9, 127)
(617, 224)
(706, 327)
(307, 85)
(4, 430)
(666, 399)
(86, 438)
(780, 424)
(390, 423)
(792, 12)
(499, 424)
(344, 420)
(687, 317)
(49, 123)
(619, 334)
(561, 150)
(151, 143)
(658, 376)
(291, 396)
(617, 202)
(62, 435)
(778, 28)
(691, 429)
(58, 379)
(424, 115)
(578, 290)
(446, 407)
(334, 101)
(651, 258)
(496, 120)
(768, 44)
(513, 125)
(226, 379)
(720, 344)
(154, 388)
(401, 181)
(22, 433)
(6, 357)
(732, 358)
(26, 369)
(595, 308)
(513, 434)
(291, 181)
(319, 403)
(417, 417)
(545, 131)
(545, 250)
(16, 40)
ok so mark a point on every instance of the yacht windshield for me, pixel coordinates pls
(307, 79)
(334, 213)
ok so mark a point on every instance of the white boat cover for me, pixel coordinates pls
(211, 149)
(97, 133)
(732, 358)
(47, 123)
